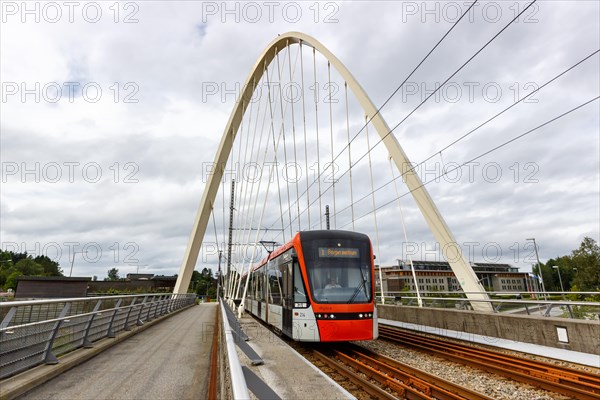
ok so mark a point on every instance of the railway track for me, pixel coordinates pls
(384, 378)
(578, 384)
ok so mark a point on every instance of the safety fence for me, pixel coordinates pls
(242, 379)
(548, 304)
(38, 331)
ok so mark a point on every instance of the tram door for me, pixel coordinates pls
(288, 297)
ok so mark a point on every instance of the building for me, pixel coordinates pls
(51, 287)
(142, 283)
(42, 287)
(437, 276)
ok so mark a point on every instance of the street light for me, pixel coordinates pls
(73, 260)
(540, 267)
(560, 280)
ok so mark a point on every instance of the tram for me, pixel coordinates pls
(318, 287)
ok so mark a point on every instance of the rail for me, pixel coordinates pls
(547, 308)
(238, 381)
(36, 332)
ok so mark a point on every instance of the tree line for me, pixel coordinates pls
(14, 265)
(203, 283)
(579, 271)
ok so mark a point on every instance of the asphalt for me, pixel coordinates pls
(169, 360)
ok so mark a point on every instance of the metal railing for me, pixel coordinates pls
(547, 308)
(238, 381)
(37, 331)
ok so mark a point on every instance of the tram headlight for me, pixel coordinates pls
(360, 315)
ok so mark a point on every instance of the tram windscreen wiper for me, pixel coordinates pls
(359, 287)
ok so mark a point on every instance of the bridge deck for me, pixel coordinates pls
(169, 360)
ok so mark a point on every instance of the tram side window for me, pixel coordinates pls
(274, 276)
(299, 290)
(259, 274)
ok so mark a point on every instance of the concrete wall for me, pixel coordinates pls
(582, 335)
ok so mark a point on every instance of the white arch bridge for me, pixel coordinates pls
(301, 110)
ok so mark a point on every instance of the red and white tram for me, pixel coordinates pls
(318, 287)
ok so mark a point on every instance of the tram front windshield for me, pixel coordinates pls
(339, 271)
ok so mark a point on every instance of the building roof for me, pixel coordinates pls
(54, 278)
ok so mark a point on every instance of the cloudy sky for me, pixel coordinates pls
(111, 114)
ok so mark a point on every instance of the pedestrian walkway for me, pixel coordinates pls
(169, 360)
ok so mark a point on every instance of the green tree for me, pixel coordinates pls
(205, 283)
(6, 267)
(113, 274)
(28, 267)
(587, 261)
(11, 281)
(553, 279)
(546, 274)
(51, 268)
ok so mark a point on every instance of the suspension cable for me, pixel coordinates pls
(349, 154)
(294, 138)
(317, 128)
(374, 213)
(304, 126)
(413, 168)
(484, 154)
(440, 86)
(412, 267)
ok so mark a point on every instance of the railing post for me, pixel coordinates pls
(111, 333)
(8, 317)
(176, 302)
(86, 343)
(126, 327)
(139, 317)
(165, 305)
(570, 310)
(158, 304)
(150, 308)
(50, 358)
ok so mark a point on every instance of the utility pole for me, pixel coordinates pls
(562, 288)
(229, 242)
(219, 276)
(231, 209)
(537, 256)
(327, 217)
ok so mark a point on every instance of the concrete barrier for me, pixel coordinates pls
(562, 333)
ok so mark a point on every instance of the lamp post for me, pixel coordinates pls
(562, 289)
(219, 276)
(540, 267)
(73, 260)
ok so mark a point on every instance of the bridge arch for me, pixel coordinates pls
(452, 252)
